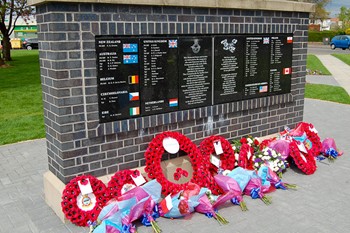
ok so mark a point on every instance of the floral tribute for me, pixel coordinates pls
(84, 199)
(244, 150)
(312, 141)
(304, 161)
(270, 158)
(227, 159)
(81, 209)
(153, 156)
(122, 182)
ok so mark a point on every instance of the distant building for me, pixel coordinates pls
(325, 25)
(25, 28)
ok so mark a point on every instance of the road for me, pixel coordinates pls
(320, 49)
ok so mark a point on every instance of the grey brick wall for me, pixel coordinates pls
(78, 144)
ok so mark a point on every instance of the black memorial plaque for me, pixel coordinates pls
(117, 78)
(159, 75)
(280, 64)
(195, 71)
(257, 63)
(228, 68)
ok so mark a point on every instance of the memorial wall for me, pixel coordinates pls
(151, 75)
(116, 74)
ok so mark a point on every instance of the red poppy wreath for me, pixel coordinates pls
(79, 208)
(316, 145)
(304, 161)
(227, 158)
(153, 156)
(122, 182)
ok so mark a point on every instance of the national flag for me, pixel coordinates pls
(130, 59)
(287, 71)
(263, 89)
(166, 204)
(172, 44)
(134, 96)
(266, 40)
(134, 111)
(173, 102)
(133, 79)
(130, 48)
(289, 39)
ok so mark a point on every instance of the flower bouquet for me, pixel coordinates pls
(206, 207)
(232, 190)
(329, 149)
(255, 189)
(270, 158)
(185, 201)
(266, 174)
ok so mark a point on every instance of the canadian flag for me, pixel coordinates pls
(287, 71)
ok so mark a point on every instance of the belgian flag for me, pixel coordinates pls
(133, 79)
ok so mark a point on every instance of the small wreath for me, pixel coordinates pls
(243, 160)
(227, 159)
(81, 209)
(153, 156)
(122, 182)
(304, 161)
(316, 148)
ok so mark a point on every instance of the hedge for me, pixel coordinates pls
(318, 36)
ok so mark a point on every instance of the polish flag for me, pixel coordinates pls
(289, 39)
(166, 204)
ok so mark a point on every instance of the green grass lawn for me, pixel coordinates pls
(21, 108)
(344, 57)
(315, 66)
(326, 92)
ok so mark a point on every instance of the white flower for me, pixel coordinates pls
(226, 172)
(250, 141)
(256, 164)
(234, 148)
(236, 156)
(266, 153)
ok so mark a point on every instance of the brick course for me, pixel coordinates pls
(78, 144)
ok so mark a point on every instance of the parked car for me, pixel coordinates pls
(340, 41)
(30, 43)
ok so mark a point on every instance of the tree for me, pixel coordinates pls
(320, 11)
(11, 10)
(344, 16)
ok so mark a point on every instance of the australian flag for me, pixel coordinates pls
(130, 59)
(172, 44)
(129, 48)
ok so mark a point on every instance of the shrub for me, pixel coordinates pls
(318, 36)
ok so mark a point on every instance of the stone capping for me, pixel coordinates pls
(173, 117)
(271, 5)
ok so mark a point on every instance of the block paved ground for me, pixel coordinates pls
(319, 205)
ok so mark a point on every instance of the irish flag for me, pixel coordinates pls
(173, 102)
(134, 111)
(133, 79)
(133, 96)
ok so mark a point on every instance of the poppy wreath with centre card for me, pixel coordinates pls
(227, 158)
(304, 161)
(119, 180)
(244, 160)
(316, 148)
(153, 156)
(81, 209)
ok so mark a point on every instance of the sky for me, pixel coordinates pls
(334, 6)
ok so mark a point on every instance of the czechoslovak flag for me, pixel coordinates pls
(133, 96)
(166, 204)
(287, 71)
